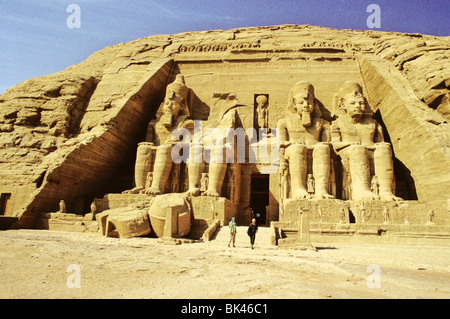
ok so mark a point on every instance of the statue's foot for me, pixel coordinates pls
(364, 195)
(194, 191)
(153, 191)
(387, 196)
(135, 190)
(301, 194)
(210, 193)
(323, 195)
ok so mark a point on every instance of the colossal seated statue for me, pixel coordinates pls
(303, 128)
(216, 143)
(174, 115)
(354, 133)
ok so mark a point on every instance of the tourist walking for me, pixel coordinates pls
(252, 230)
(233, 231)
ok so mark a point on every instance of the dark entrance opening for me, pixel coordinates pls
(259, 197)
(4, 201)
(351, 217)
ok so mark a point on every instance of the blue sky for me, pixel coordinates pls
(35, 39)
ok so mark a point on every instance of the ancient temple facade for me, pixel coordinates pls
(279, 124)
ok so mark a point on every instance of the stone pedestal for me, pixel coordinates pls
(210, 208)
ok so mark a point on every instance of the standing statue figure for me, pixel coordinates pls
(353, 134)
(303, 128)
(93, 208)
(363, 213)
(62, 207)
(175, 114)
(204, 182)
(148, 181)
(386, 216)
(310, 184)
(342, 215)
(262, 111)
(375, 187)
(319, 213)
(284, 187)
(430, 217)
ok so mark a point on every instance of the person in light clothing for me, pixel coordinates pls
(233, 231)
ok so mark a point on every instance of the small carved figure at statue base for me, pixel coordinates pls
(375, 187)
(430, 218)
(343, 215)
(319, 213)
(363, 214)
(62, 207)
(386, 216)
(310, 185)
(92, 213)
(284, 187)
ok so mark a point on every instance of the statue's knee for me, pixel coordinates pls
(144, 149)
(296, 150)
(321, 149)
(164, 149)
(360, 150)
(383, 149)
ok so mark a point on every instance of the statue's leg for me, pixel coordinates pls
(384, 170)
(297, 156)
(217, 171)
(195, 169)
(161, 169)
(141, 168)
(321, 170)
(359, 167)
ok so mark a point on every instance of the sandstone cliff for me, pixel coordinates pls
(73, 135)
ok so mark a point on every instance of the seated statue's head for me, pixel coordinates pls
(175, 100)
(351, 100)
(173, 104)
(302, 101)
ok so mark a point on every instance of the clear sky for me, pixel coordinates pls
(35, 39)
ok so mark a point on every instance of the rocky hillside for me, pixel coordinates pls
(70, 134)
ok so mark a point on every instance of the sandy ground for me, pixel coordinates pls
(35, 264)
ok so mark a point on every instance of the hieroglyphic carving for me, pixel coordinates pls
(256, 45)
(218, 47)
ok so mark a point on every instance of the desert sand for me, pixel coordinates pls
(34, 264)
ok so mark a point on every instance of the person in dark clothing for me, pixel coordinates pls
(252, 230)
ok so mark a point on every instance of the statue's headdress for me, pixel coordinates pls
(307, 88)
(349, 87)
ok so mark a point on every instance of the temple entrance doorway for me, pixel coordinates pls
(259, 197)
